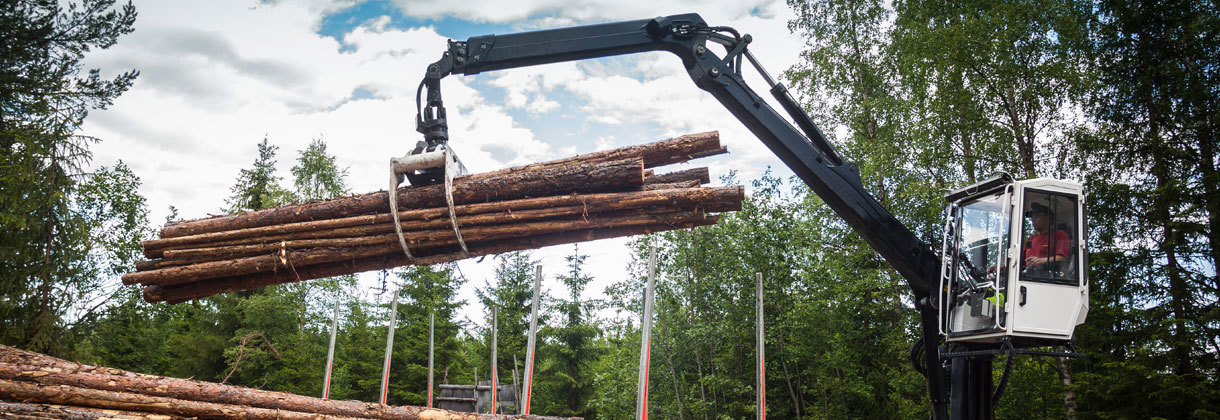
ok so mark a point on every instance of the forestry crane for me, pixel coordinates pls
(1010, 276)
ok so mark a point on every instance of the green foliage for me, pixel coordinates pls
(316, 176)
(259, 188)
(1151, 167)
(425, 291)
(512, 293)
(358, 355)
(48, 261)
(835, 348)
(1001, 91)
(614, 373)
(565, 380)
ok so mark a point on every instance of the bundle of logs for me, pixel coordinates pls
(36, 386)
(599, 195)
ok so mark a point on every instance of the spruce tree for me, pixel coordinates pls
(566, 379)
(45, 95)
(258, 187)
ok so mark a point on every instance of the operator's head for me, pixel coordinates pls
(1040, 215)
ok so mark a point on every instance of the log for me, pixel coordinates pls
(665, 152)
(659, 153)
(432, 234)
(24, 411)
(184, 292)
(419, 214)
(605, 176)
(710, 152)
(384, 244)
(672, 185)
(696, 174)
(681, 197)
(86, 397)
(35, 368)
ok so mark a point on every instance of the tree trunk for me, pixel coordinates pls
(1065, 378)
(697, 174)
(85, 397)
(475, 188)
(673, 374)
(354, 248)
(702, 393)
(783, 363)
(183, 292)
(23, 411)
(32, 377)
(1179, 295)
(707, 199)
(277, 232)
(488, 186)
(1211, 193)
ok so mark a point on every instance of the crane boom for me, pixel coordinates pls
(806, 151)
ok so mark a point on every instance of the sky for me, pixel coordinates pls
(217, 77)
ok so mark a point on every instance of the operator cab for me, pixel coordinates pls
(1013, 262)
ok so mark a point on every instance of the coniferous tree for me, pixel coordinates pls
(358, 355)
(45, 95)
(258, 187)
(425, 291)
(1151, 168)
(565, 379)
(512, 294)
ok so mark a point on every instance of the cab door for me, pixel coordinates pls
(1051, 293)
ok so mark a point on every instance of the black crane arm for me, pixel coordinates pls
(806, 150)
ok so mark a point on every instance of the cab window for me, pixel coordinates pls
(1049, 243)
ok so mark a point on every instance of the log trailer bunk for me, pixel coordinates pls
(982, 296)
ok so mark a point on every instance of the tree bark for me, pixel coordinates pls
(1065, 378)
(665, 152)
(184, 292)
(671, 185)
(352, 248)
(483, 187)
(24, 411)
(669, 199)
(418, 214)
(659, 153)
(20, 370)
(93, 398)
(697, 174)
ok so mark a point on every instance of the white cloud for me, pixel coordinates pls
(562, 12)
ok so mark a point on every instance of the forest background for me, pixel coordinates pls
(924, 96)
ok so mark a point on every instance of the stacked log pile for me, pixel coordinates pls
(34, 385)
(582, 198)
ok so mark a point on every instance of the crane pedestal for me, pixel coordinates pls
(970, 395)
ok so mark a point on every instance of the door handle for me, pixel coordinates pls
(1023, 295)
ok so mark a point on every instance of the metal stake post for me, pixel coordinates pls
(330, 354)
(389, 347)
(494, 371)
(529, 346)
(762, 347)
(641, 398)
(515, 386)
(431, 345)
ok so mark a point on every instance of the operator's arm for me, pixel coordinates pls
(1061, 245)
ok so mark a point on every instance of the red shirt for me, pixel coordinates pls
(1037, 245)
